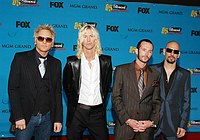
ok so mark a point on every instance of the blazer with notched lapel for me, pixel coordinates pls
(72, 81)
(23, 84)
(175, 108)
(127, 103)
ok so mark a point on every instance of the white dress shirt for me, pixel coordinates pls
(90, 82)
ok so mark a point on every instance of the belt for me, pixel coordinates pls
(88, 107)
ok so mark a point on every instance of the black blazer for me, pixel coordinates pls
(23, 84)
(175, 108)
(71, 81)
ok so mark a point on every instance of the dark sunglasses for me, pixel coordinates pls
(41, 39)
(170, 51)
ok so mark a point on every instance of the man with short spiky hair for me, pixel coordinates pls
(34, 89)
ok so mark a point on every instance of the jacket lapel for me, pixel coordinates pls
(33, 69)
(76, 68)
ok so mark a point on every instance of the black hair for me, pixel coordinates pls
(145, 40)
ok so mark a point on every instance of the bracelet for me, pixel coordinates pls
(153, 125)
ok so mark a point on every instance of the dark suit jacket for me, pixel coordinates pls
(175, 108)
(71, 81)
(128, 105)
(24, 82)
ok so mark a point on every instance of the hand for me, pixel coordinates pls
(180, 132)
(20, 124)
(133, 124)
(57, 127)
(143, 125)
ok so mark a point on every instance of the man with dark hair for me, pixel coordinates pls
(135, 96)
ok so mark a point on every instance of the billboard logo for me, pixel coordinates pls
(195, 13)
(195, 33)
(143, 10)
(56, 4)
(58, 46)
(132, 49)
(116, 8)
(112, 28)
(24, 2)
(194, 71)
(78, 25)
(23, 24)
(75, 48)
(171, 30)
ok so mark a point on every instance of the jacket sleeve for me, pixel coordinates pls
(156, 101)
(59, 107)
(14, 88)
(186, 102)
(117, 100)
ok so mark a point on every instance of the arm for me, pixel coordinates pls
(14, 88)
(59, 107)
(67, 78)
(186, 103)
(117, 101)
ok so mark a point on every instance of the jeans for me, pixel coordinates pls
(39, 125)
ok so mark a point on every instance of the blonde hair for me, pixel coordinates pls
(98, 49)
(45, 27)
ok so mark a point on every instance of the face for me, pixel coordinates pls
(88, 40)
(44, 41)
(172, 52)
(144, 52)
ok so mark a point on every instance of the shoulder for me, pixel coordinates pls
(126, 66)
(53, 59)
(156, 66)
(23, 55)
(72, 58)
(183, 70)
(105, 57)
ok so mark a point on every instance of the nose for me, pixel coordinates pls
(88, 39)
(44, 41)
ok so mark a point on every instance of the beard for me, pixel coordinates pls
(142, 60)
(171, 61)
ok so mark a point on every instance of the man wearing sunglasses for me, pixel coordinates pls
(175, 95)
(34, 89)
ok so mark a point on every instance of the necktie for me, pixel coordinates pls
(141, 83)
(42, 66)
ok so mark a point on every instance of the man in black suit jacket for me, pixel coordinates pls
(36, 99)
(86, 81)
(175, 95)
(137, 113)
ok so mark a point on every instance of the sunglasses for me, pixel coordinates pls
(41, 39)
(170, 51)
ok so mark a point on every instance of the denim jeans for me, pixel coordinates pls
(38, 126)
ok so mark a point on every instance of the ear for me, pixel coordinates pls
(179, 55)
(136, 51)
(164, 51)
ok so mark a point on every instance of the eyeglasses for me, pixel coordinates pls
(170, 51)
(41, 39)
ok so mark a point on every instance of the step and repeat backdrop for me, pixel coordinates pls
(120, 24)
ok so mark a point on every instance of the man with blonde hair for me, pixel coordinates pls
(86, 81)
(34, 89)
